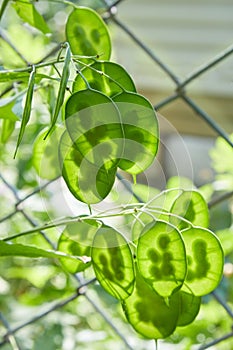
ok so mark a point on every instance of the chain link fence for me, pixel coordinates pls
(18, 209)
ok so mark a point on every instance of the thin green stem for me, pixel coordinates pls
(163, 212)
(103, 215)
(100, 73)
(65, 222)
(88, 86)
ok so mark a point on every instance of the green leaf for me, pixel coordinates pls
(13, 75)
(113, 262)
(8, 126)
(62, 88)
(6, 109)
(107, 77)
(88, 183)
(189, 308)
(205, 261)
(76, 239)
(27, 108)
(20, 75)
(45, 154)
(141, 132)
(28, 13)
(225, 237)
(161, 257)
(191, 206)
(150, 314)
(27, 251)
(88, 34)
(222, 164)
(94, 124)
(3, 7)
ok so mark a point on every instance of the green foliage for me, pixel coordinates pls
(223, 165)
(27, 107)
(15, 249)
(93, 125)
(28, 13)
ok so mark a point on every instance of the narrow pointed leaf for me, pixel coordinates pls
(6, 76)
(28, 13)
(62, 88)
(87, 34)
(105, 76)
(27, 251)
(27, 108)
(113, 262)
(148, 313)
(3, 7)
(205, 261)
(141, 132)
(161, 257)
(6, 110)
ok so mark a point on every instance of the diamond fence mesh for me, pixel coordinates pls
(18, 208)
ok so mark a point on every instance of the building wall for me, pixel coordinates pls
(184, 35)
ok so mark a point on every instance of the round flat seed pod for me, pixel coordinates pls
(161, 257)
(94, 124)
(141, 132)
(191, 206)
(76, 240)
(88, 183)
(205, 261)
(189, 308)
(113, 262)
(87, 34)
(150, 314)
